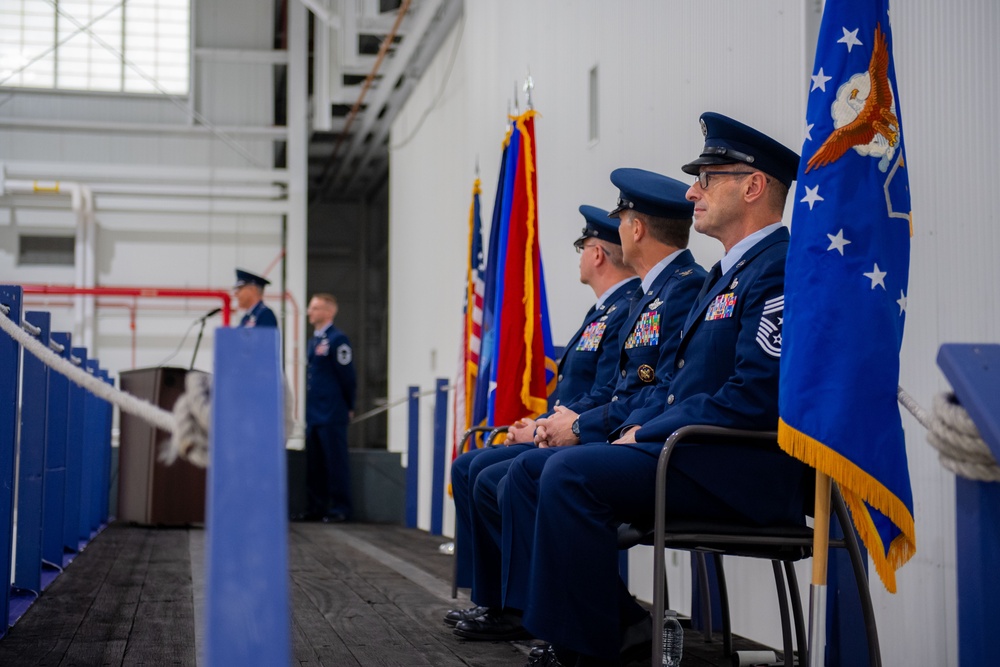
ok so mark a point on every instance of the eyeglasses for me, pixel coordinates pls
(582, 247)
(703, 176)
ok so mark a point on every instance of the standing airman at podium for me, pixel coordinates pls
(249, 291)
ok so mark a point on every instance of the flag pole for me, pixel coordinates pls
(817, 591)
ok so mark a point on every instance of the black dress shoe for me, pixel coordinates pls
(455, 615)
(543, 656)
(492, 626)
(334, 518)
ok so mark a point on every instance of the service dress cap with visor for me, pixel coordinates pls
(599, 226)
(650, 193)
(247, 278)
(729, 141)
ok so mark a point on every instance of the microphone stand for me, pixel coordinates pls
(201, 331)
(197, 342)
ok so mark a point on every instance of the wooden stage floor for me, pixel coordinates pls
(362, 595)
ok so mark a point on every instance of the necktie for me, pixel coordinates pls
(713, 277)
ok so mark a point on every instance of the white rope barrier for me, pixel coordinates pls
(952, 432)
(391, 404)
(125, 402)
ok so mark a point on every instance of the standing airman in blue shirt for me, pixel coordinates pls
(249, 290)
(725, 373)
(330, 392)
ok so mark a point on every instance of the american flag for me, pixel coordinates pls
(472, 328)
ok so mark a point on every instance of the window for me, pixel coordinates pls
(46, 250)
(134, 46)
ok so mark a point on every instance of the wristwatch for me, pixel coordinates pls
(576, 427)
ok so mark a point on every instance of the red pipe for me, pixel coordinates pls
(161, 292)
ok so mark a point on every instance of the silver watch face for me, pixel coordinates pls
(576, 427)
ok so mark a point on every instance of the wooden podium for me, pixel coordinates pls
(150, 492)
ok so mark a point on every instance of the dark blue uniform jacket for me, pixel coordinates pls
(743, 312)
(330, 382)
(590, 358)
(645, 352)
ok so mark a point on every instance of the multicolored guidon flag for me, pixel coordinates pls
(846, 283)
(472, 329)
(523, 358)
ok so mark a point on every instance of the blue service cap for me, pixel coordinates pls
(729, 141)
(599, 226)
(649, 193)
(247, 278)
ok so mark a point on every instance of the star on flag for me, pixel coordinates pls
(819, 81)
(850, 38)
(812, 196)
(877, 277)
(837, 242)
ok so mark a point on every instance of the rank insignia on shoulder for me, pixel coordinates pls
(736, 281)
(344, 354)
(646, 373)
(656, 303)
(721, 308)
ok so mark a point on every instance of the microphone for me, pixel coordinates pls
(210, 313)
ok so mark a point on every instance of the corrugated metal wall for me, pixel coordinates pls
(659, 65)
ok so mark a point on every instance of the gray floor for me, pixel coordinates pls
(362, 594)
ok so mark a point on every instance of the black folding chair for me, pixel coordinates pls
(468, 444)
(782, 545)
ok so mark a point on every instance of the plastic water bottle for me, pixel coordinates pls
(673, 639)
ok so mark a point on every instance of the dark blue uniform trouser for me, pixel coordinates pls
(464, 472)
(328, 477)
(561, 511)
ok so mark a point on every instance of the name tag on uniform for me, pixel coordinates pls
(721, 308)
(646, 331)
(590, 339)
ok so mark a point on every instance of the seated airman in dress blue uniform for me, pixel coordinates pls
(564, 509)
(654, 222)
(249, 290)
(589, 361)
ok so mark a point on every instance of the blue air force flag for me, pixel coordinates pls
(846, 283)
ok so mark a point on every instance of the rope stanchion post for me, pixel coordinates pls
(974, 373)
(413, 456)
(11, 301)
(90, 486)
(440, 439)
(74, 458)
(246, 572)
(31, 463)
(107, 414)
(55, 458)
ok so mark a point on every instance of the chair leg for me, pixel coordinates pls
(800, 625)
(454, 574)
(786, 629)
(666, 587)
(706, 597)
(727, 629)
(860, 576)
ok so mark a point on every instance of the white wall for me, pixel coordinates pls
(661, 65)
(213, 150)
